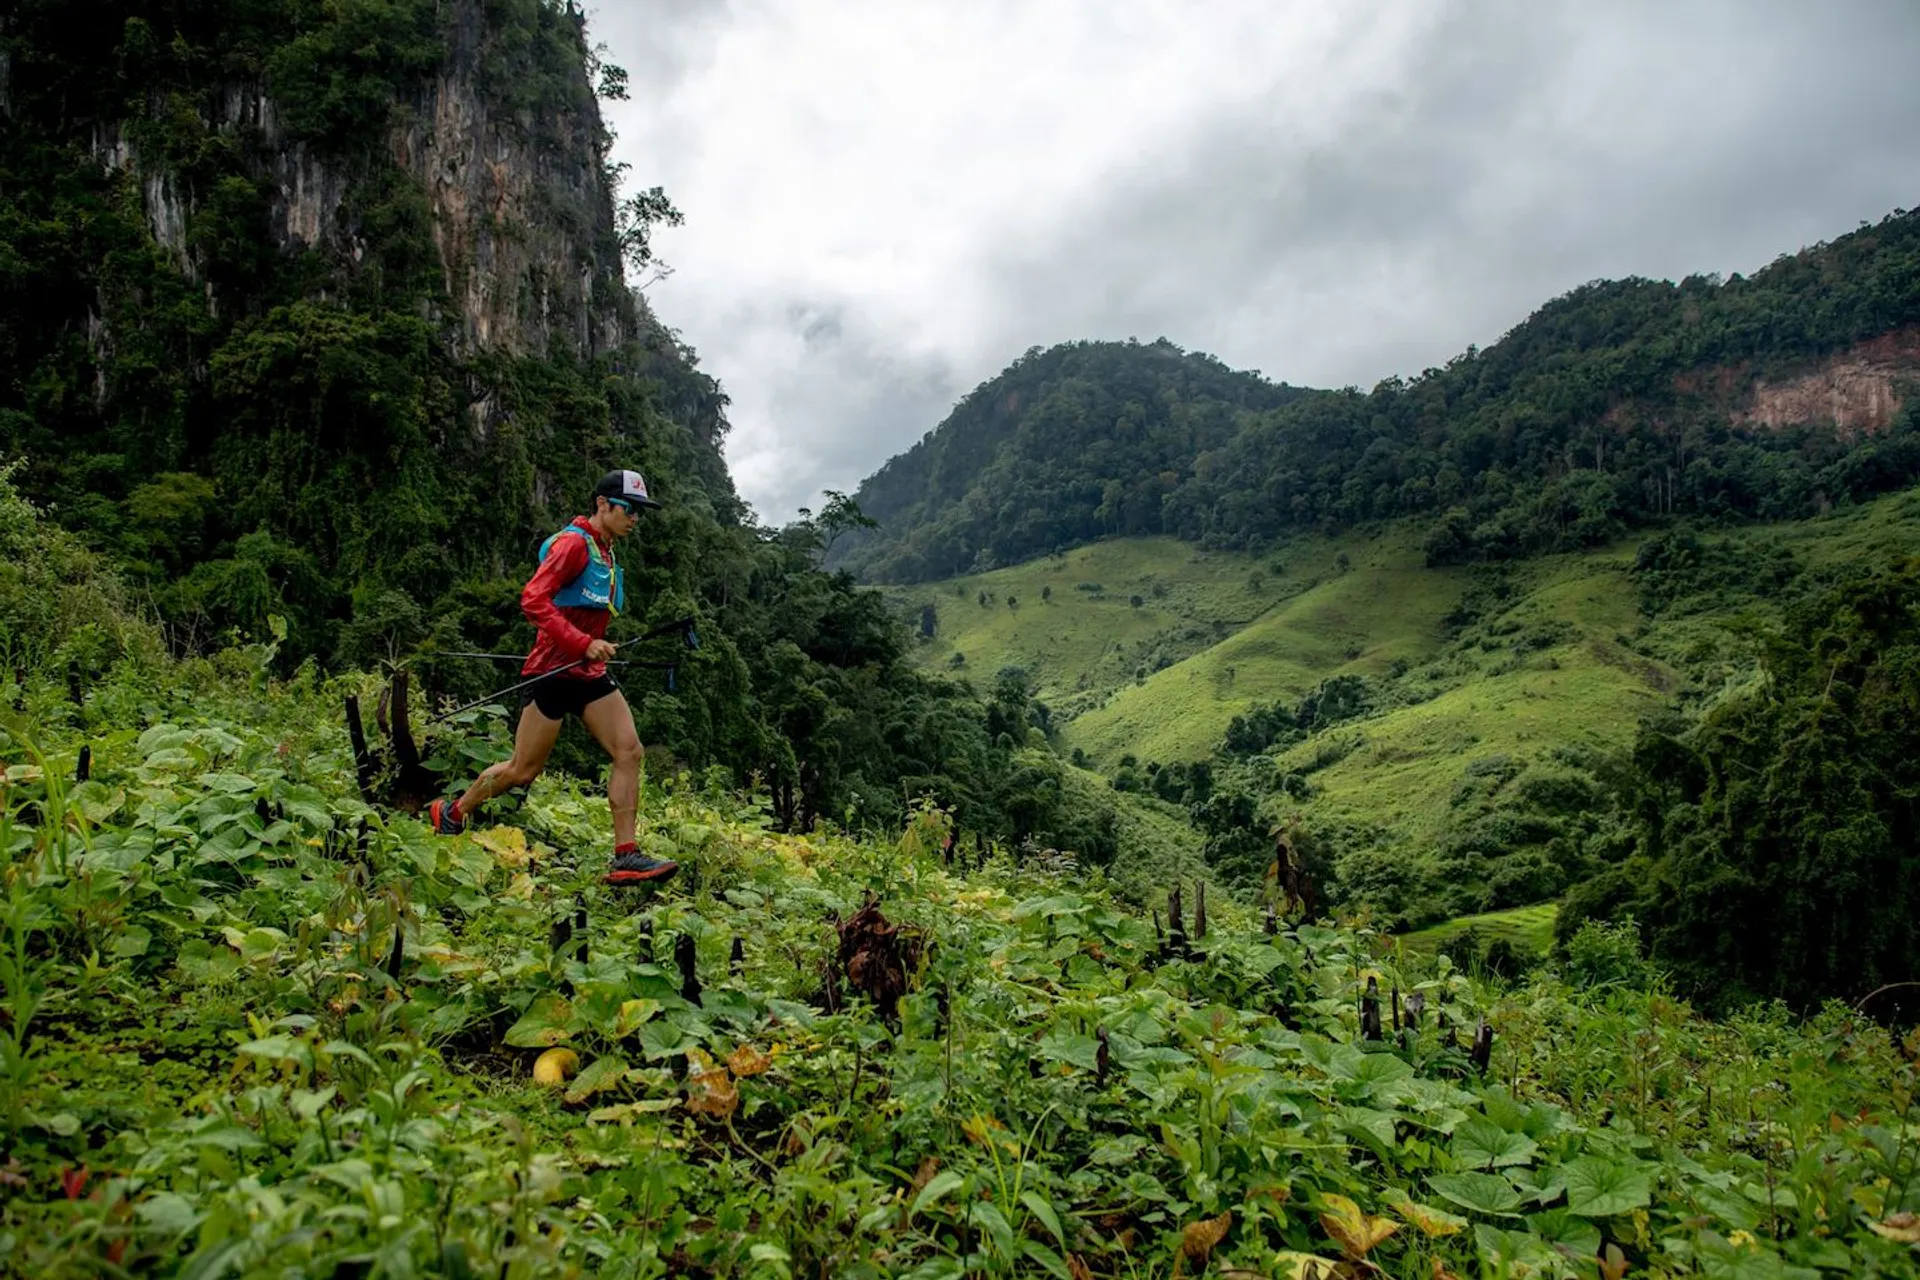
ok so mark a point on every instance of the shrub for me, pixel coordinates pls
(1605, 953)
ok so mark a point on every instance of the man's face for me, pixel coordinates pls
(620, 518)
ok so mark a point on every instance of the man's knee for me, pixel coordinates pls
(626, 753)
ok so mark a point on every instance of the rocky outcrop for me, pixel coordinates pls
(522, 214)
(1859, 391)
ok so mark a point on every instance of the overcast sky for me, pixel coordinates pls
(887, 202)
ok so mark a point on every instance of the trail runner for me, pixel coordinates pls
(571, 599)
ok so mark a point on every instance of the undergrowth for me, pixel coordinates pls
(252, 1024)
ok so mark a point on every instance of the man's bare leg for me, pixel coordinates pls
(610, 721)
(532, 743)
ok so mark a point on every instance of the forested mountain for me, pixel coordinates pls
(313, 322)
(1080, 441)
(1769, 396)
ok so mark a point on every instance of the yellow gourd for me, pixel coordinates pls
(554, 1066)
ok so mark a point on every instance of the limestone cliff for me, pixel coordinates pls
(1859, 391)
(522, 215)
(291, 292)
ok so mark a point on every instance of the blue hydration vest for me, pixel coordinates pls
(599, 585)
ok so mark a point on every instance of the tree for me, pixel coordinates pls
(929, 620)
(840, 515)
(634, 220)
(1775, 845)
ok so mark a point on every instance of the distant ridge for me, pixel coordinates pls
(1613, 406)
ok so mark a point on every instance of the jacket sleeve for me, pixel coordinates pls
(565, 559)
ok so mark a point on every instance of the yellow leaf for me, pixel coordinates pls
(1304, 1266)
(1431, 1221)
(980, 1128)
(1197, 1241)
(632, 1014)
(554, 1066)
(521, 888)
(621, 1113)
(710, 1090)
(1351, 1229)
(748, 1061)
(508, 845)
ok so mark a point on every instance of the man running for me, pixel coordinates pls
(570, 600)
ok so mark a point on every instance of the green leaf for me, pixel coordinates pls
(1065, 1046)
(168, 1214)
(621, 1112)
(1721, 1259)
(1377, 1125)
(1379, 1068)
(1044, 1211)
(546, 1022)
(1118, 1151)
(227, 1137)
(1482, 1144)
(1544, 1188)
(601, 1074)
(661, 1038)
(132, 942)
(986, 1213)
(1599, 1188)
(280, 1049)
(308, 1103)
(1560, 1227)
(1050, 1262)
(937, 1186)
(1487, 1193)
(95, 801)
(1518, 1253)
(255, 944)
(61, 1123)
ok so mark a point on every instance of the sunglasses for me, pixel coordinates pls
(624, 506)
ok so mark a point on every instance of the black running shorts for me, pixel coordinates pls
(558, 697)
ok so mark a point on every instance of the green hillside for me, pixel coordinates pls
(1495, 696)
(1530, 929)
(1616, 406)
(1319, 620)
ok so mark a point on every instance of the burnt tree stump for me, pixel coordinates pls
(391, 774)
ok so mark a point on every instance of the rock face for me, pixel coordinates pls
(1859, 391)
(521, 210)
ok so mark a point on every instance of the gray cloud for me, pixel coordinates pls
(887, 204)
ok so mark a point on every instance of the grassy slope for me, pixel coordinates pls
(1589, 690)
(1079, 640)
(1383, 607)
(1236, 646)
(1528, 928)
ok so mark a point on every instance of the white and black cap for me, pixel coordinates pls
(629, 487)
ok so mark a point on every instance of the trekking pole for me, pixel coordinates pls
(682, 625)
(512, 688)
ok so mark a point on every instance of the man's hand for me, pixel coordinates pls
(601, 650)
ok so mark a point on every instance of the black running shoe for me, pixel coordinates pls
(638, 868)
